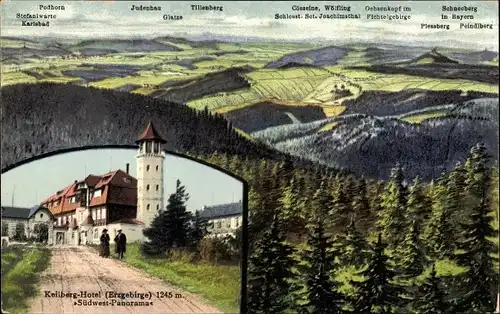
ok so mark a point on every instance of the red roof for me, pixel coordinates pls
(116, 187)
(150, 134)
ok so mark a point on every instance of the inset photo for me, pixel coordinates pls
(123, 228)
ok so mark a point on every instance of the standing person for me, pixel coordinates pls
(104, 243)
(121, 244)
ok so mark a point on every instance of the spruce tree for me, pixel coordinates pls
(355, 248)
(322, 290)
(392, 216)
(480, 279)
(419, 207)
(170, 228)
(412, 259)
(376, 293)
(361, 207)
(341, 208)
(290, 208)
(439, 231)
(198, 229)
(270, 271)
(431, 297)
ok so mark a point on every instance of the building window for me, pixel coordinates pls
(59, 221)
(97, 193)
(99, 213)
(219, 224)
(147, 187)
(156, 168)
(147, 168)
(157, 206)
(103, 213)
(41, 215)
(94, 215)
(228, 224)
(147, 207)
(148, 147)
(157, 187)
(157, 147)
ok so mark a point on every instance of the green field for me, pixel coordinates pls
(21, 268)
(218, 284)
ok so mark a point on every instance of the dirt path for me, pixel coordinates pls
(79, 270)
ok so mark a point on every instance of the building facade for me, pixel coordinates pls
(29, 218)
(224, 219)
(112, 201)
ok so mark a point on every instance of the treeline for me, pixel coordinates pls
(323, 242)
(41, 118)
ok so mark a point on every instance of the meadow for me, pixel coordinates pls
(21, 268)
(218, 284)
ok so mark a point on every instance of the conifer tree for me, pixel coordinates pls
(431, 298)
(322, 290)
(480, 279)
(341, 209)
(198, 229)
(439, 232)
(376, 293)
(170, 228)
(270, 271)
(290, 208)
(361, 207)
(354, 250)
(419, 207)
(392, 216)
(412, 259)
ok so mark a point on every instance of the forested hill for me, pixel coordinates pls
(41, 118)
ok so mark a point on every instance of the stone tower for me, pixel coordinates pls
(149, 175)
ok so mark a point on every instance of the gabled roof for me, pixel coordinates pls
(150, 134)
(15, 212)
(223, 210)
(117, 187)
(36, 208)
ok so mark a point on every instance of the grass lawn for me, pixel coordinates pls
(20, 274)
(218, 284)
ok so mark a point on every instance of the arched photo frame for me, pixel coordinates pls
(243, 251)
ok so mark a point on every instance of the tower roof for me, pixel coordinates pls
(150, 134)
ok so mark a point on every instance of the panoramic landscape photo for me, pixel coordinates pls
(366, 144)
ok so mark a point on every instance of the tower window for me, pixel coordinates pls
(157, 206)
(157, 147)
(157, 187)
(147, 187)
(148, 147)
(147, 168)
(156, 168)
(147, 207)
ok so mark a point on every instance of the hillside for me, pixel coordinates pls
(250, 119)
(432, 57)
(40, 118)
(370, 145)
(319, 57)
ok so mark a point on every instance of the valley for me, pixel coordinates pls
(359, 107)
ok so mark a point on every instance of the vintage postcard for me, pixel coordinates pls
(249, 157)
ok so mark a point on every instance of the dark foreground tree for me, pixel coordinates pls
(431, 298)
(480, 279)
(197, 229)
(412, 259)
(354, 250)
(377, 293)
(322, 290)
(170, 228)
(270, 270)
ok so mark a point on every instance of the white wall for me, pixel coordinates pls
(225, 225)
(12, 225)
(132, 232)
(41, 216)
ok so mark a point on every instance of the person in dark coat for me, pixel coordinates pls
(104, 251)
(121, 244)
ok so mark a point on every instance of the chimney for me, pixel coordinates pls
(127, 168)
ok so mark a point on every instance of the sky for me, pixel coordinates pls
(114, 19)
(35, 181)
